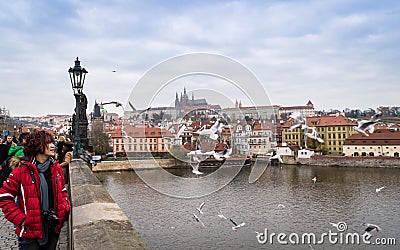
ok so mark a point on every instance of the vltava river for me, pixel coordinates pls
(340, 195)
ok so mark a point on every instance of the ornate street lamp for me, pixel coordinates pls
(77, 76)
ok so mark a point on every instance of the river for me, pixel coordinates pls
(346, 195)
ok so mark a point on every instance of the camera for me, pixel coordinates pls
(51, 217)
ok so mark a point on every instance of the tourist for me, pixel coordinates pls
(43, 203)
(3, 151)
(66, 155)
(9, 142)
(60, 144)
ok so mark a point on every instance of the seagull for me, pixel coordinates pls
(131, 105)
(276, 157)
(216, 127)
(198, 219)
(220, 215)
(145, 110)
(117, 104)
(220, 156)
(298, 120)
(314, 179)
(114, 71)
(379, 189)
(371, 227)
(313, 135)
(367, 125)
(200, 207)
(281, 206)
(236, 226)
(195, 156)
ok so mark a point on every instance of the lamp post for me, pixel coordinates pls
(77, 76)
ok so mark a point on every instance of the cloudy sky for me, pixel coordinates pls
(338, 54)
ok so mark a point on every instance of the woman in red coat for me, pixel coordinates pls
(38, 184)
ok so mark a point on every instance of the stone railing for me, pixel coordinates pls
(96, 221)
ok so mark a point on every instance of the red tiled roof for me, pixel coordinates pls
(379, 137)
(325, 121)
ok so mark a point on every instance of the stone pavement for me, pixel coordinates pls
(9, 240)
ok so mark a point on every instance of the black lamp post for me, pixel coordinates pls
(77, 75)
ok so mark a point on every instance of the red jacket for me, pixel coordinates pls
(20, 184)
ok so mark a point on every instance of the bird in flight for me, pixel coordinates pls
(117, 104)
(211, 132)
(298, 120)
(220, 215)
(277, 156)
(198, 219)
(200, 208)
(236, 226)
(365, 125)
(314, 179)
(313, 135)
(281, 206)
(145, 110)
(370, 227)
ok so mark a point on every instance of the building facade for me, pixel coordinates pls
(332, 129)
(383, 142)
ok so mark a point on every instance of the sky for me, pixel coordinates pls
(338, 54)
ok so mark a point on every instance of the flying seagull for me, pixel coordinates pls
(236, 226)
(277, 156)
(198, 219)
(370, 227)
(117, 104)
(314, 179)
(281, 206)
(313, 135)
(220, 215)
(379, 189)
(216, 127)
(298, 120)
(195, 159)
(145, 110)
(200, 208)
(220, 156)
(365, 125)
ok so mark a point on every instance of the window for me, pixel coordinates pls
(363, 154)
(371, 154)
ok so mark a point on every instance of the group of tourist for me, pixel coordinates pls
(33, 194)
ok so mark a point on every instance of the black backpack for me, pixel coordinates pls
(5, 170)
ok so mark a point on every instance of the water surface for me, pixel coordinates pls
(339, 195)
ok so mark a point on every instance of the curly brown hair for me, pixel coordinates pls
(37, 142)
